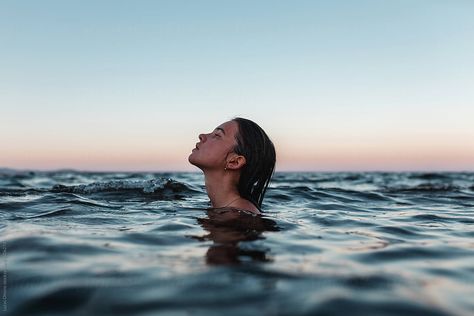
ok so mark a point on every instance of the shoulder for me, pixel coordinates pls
(246, 205)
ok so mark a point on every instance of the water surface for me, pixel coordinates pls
(85, 243)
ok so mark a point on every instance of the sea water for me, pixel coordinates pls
(90, 243)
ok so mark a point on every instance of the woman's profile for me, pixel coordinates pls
(238, 161)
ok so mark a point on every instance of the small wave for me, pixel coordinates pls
(421, 252)
(368, 281)
(19, 192)
(429, 217)
(425, 187)
(117, 186)
(58, 212)
(7, 172)
(430, 176)
(399, 231)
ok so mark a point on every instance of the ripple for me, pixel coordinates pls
(60, 300)
(409, 253)
(398, 231)
(360, 306)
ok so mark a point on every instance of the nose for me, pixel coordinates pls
(202, 137)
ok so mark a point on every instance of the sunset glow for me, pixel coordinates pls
(338, 86)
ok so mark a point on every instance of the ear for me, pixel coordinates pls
(236, 162)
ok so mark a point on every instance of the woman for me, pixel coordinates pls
(238, 160)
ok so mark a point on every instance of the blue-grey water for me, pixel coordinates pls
(83, 243)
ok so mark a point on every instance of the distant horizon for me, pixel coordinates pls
(199, 171)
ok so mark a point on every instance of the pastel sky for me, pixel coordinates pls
(337, 85)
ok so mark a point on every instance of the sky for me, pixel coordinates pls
(337, 85)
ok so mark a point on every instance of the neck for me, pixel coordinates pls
(221, 187)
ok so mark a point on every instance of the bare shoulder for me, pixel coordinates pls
(247, 205)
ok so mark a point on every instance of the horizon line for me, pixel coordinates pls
(198, 171)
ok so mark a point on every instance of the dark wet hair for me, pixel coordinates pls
(259, 152)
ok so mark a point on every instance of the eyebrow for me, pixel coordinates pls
(220, 129)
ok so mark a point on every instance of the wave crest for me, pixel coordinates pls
(143, 186)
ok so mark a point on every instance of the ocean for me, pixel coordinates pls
(341, 243)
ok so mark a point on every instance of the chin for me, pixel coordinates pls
(192, 160)
(195, 163)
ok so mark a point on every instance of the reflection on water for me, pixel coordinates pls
(228, 228)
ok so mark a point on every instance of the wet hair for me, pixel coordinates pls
(259, 152)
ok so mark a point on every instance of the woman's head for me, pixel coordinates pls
(242, 147)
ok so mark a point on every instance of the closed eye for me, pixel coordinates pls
(218, 129)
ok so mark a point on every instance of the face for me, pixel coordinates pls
(215, 147)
